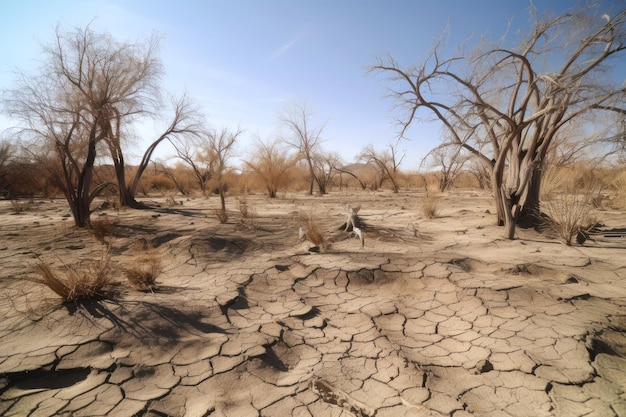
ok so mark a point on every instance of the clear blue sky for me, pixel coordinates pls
(246, 60)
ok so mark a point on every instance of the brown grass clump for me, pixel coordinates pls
(310, 231)
(431, 205)
(76, 284)
(101, 229)
(143, 277)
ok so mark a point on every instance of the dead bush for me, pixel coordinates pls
(569, 216)
(76, 283)
(143, 276)
(101, 229)
(431, 205)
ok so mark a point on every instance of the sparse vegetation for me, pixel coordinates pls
(569, 216)
(143, 276)
(101, 229)
(77, 283)
(430, 205)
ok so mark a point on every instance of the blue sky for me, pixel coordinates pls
(244, 61)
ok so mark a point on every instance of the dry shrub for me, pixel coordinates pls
(77, 284)
(143, 276)
(101, 229)
(431, 203)
(569, 215)
(311, 232)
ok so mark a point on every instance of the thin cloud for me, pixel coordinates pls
(283, 49)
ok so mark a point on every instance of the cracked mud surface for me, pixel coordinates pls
(433, 317)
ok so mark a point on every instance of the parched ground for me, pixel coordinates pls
(436, 317)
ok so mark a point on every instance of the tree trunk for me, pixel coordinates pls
(530, 215)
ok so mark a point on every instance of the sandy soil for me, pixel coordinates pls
(436, 317)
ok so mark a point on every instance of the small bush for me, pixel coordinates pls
(244, 208)
(78, 284)
(101, 229)
(569, 216)
(143, 277)
(431, 205)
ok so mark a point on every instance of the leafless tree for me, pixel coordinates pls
(305, 137)
(518, 98)
(186, 121)
(386, 162)
(271, 162)
(449, 159)
(189, 150)
(82, 105)
(219, 149)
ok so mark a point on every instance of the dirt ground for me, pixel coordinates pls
(431, 317)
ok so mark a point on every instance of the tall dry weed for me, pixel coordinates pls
(569, 214)
(78, 283)
(431, 203)
(619, 186)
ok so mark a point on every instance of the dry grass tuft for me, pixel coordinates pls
(78, 284)
(101, 229)
(431, 205)
(143, 277)
(310, 231)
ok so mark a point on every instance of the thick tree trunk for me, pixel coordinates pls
(530, 215)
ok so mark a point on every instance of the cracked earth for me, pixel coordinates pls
(436, 317)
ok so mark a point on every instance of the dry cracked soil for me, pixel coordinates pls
(432, 317)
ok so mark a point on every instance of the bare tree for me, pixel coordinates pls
(89, 92)
(305, 138)
(518, 98)
(272, 162)
(450, 160)
(220, 147)
(186, 121)
(189, 150)
(64, 111)
(387, 162)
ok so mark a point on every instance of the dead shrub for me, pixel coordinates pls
(101, 229)
(431, 205)
(77, 283)
(143, 276)
(569, 216)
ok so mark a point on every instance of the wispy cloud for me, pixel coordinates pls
(283, 49)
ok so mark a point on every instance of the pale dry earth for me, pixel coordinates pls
(436, 317)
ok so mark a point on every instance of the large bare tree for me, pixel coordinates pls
(82, 105)
(516, 99)
(271, 162)
(306, 137)
(387, 162)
